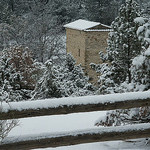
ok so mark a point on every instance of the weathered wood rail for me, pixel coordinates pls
(79, 137)
(16, 110)
(74, 105)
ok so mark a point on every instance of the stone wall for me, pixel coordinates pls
(95, 42)
(75, 44)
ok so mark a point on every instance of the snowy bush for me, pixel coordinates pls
(16, 70)
(5, 127)
(62, 81)
(126, 63)
(123, 46)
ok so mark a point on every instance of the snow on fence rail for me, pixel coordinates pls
(77, 137)
(73, 105)
(58, 106)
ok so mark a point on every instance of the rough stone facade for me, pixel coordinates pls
(95, 42)
(75, 44)
(85, 46)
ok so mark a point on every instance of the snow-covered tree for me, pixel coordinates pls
(47, 86)
(123, 46)
(62, 81)
(123, 117)
(140, 69)
(16, 74)
(7, 35)
(103, 11)
(74, 77)
(123, 43)
(140, 74)
(8, 76)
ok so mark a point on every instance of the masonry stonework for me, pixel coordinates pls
(85, 46)
(75, 44)
(95, 42)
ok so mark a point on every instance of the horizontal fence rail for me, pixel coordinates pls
(59, 106)
(24, 109)
(77, 137)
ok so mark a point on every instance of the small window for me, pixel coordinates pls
(79, 52)
(91, 79)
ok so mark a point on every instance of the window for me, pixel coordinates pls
(79, 52)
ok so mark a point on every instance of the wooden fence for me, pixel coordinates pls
(25, 109)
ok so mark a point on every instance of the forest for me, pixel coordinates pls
(34, 64)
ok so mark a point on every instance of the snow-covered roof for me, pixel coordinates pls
(81, 24)
(99, 30)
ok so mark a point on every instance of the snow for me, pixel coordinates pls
(140, 20)
(138, 61)
(140, 29)
(135, 127)
(113, 145)
(147, 52)
(81, 24)
(56, 123)
(146, 30)
(60, 102)
(68, 123)
(99, 30)
(85, 25)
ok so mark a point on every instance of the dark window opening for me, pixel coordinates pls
(79, 52)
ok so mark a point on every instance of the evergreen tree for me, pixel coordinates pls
(103, 11)
(47, 86)
(140, 69)
(123, 46)
(75, 75)
(62, 81)
(140, 74)
(5, 12)
(123, 43)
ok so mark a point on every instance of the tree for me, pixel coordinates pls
(17, 73)
(47, 86)
(76, 82)
(140, 74)
(7, 35)
(140, 69)
(5, 12)
(62, 81)
(103, 11)
(123, 46)
(39, 31)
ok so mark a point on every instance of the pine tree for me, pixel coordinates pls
(103, 11)
(80, 82)
(140, 69)
(140, 74)
(62, 81)
(47, 86)
(123, 46)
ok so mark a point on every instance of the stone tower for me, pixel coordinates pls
(85, 39)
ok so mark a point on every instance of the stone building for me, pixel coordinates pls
(84, 40)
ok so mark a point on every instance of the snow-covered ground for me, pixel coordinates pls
(72, 122)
